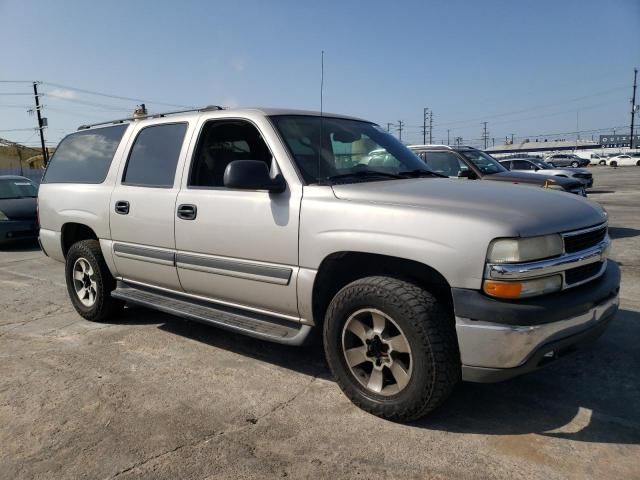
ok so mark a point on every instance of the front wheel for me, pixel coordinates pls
(89, 282)
(613, 164)
(392, 347)
(602, 162)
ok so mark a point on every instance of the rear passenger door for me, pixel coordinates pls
(142, 210)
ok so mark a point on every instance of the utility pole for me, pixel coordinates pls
(400, 125)
(448, 142)
(430, 126)
(512, 139)
(425, 113)
(41, 124)
(485, 135)
(633, 105)
(389, 126)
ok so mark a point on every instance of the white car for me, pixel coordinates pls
(535, 165)
(623, 161)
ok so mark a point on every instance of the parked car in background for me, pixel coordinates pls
(471, 163)
(17, 209)
(566, 160)
(535, 165)
(623, 161)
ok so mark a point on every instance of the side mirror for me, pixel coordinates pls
(252, 175)
(470, 174)
(535, 169)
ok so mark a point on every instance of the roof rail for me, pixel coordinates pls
(152, 115)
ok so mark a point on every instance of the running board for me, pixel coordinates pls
(248, 323)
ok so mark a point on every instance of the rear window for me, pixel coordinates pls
(84, 157)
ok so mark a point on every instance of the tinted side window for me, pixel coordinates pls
(85, 156)
(522, 165)
(222, 142)
(154, 156)
(446, 163)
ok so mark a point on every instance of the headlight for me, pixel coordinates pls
(516, 250)
(523, 289)
(3, 216)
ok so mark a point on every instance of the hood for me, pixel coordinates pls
(525, 211)
(533, 178)
(19, 208)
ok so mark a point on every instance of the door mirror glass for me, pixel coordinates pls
(252, 175)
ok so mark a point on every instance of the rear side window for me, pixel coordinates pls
(85, 156)
(154, 156)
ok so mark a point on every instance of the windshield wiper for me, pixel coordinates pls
(421, 172)
(365, 174)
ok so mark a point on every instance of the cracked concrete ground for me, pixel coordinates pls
(153, 396)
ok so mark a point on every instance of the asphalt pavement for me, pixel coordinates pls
(153, 396)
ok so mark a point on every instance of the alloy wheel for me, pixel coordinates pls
(84, 282)
(377, 352)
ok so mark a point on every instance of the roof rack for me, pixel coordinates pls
(152, 115)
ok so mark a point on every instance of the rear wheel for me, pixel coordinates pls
(392, 347)
(89, 282)
(602, 162)
(575, 164)
(638, 163)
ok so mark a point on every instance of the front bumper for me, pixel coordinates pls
(17, 229)
(500, 339)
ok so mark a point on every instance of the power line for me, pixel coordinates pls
(130, 99)
(19, 130)
(84, 102)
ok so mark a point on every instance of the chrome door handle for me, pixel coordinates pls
(122, 207)
(187, 211)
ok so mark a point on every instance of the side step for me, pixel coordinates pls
(248, 323)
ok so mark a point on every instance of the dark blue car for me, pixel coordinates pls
(18, 218)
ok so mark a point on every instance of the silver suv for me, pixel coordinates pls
(280, 223)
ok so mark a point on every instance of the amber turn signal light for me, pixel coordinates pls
(503, 289)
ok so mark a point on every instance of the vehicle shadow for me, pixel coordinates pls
(593, 396)
(20, 246)
(623, 232)
(308, 360)
(592, 192)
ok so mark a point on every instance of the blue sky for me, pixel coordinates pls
(526, 67)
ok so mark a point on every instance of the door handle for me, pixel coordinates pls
(187, 211)
(122, 207)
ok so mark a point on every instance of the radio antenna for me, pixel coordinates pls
(321, 113)
(321, 80)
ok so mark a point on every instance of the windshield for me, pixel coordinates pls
(325, 148)
(17, 188)
(483, 162)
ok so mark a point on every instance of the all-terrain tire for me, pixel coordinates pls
(104, 306)
(429, 328)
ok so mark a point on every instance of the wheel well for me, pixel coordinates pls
(340, 269)
(75, 232)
